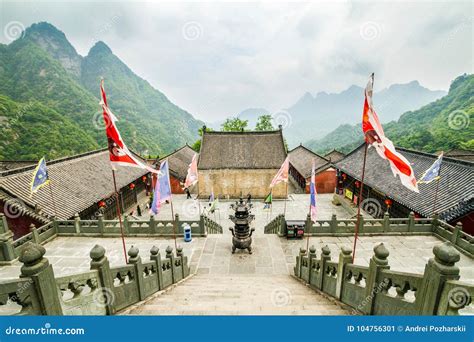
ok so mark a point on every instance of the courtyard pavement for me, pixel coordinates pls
(271, 254)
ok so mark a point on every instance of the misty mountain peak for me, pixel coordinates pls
(99, 48)
(54, 42)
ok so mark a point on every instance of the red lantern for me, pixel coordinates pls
(344, 176)
(357, 184)
(388, 202)
(102, 204)
(144, 179)
(132, 186)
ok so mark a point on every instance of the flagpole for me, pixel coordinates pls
(119, 216)
(435, 204)
(307, 240)
(52, 199)
(286, 196)
(356, 230)
(174, 222)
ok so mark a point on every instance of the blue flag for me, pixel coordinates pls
(162, 190)
(433, 172)
(40, 176)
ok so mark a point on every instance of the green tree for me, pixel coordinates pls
(264, 123)
(197, 145)
(234, 125)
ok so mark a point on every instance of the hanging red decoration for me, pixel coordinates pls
(388, 202)
(357, 184)
(144, 179)
(344, 176)
(102, 204)
(132, 186)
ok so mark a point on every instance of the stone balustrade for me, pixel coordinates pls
(103, 290)
(377, 290)
(385, 226)
(9, 248)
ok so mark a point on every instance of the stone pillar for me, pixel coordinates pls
(325, 257)
(333, 225)
(55, 225)
(311, 256)
(135, 260)
(411, 222)
(282, 229)
(100, 263)
(100, 224)
(126, 225)
(38, 269)
(361, 224)
(156, 257)
(152, 225)
(169, 255)
(456, 233)
(34, 234)
(439, 270)
(202, 226)
(7, 252)
(373, 284)
(345, 257)
(176, 224)
(77, 224)
(308, 224)
(435, 223)
(179, 254)
(299, 262)
(386, 222)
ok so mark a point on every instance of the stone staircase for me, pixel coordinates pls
(205, 294)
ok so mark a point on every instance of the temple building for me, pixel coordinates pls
(334, 156)
(235, 163)
(301, 163)
(80, 184)
(452, 198)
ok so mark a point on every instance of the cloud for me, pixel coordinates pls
(267, 54)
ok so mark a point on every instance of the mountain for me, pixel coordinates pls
(42, 67)
(443, 124)
(325, 112)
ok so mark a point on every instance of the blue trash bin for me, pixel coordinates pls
(187, 233)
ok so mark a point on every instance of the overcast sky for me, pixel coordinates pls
(216, 59)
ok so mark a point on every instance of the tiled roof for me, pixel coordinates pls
(77, 183)
(302, 160)
(461, 154)
(456, 186)
(242, 150)
(15, 164)
(334, 156)
(179, 161)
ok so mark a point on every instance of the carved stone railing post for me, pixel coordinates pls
(456, 233)
(386, 222)
(100, 263)
(435, 223)
(202, 226)
(373, 283)
(169, 255)
(135, 260)
(345, 257)
(126, 225)
(176, 223)
(308, 224)
(333, 224)
(152, 225)
(311, 256)
(156, 257)
(38, 269)
(411, 222)
(100, 224)
(282, 231)
(299, 262)
(325, 257)
(34, 234)
(439, 270)
(180, 255)
(77, 224)
(361, 225)
(7, 252)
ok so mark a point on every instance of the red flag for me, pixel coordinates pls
(118, 151)
(375, 136)
(192, 176)
(282, 174)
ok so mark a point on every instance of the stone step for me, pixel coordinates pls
(239, 295)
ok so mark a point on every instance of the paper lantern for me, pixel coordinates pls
(388, 202)
(132, 186)
(102, 204)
